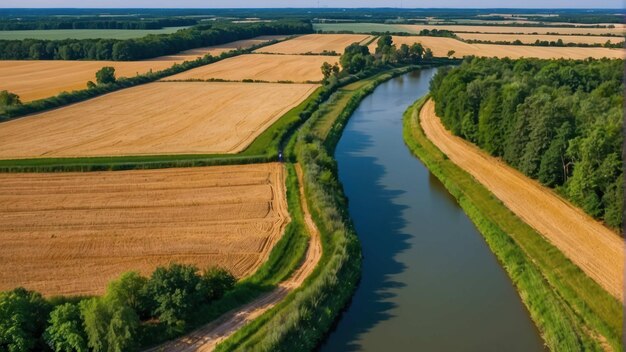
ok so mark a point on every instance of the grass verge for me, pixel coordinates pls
(572, 312)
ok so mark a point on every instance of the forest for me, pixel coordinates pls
(146, 47)
(558, 121)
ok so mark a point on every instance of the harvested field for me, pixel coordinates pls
(71, 233)
(316, 43)
(508, 29)
(598, 251)
(264, 67)
(60, 34)
(155, 118)
(530, 39)
(209, 336)
(38, 79)
(440, 47)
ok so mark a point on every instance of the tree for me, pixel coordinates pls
(327, 70)
(130, 290)
(384, 41)
(218, 281)
(9, 99)
(65, 332)
(109, 325)
(428, 54)
(451, 53)
(355, 58)
(106, 75)
(177, 291)
(23, 316)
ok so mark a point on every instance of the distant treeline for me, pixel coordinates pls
(557, 43)
(558, 121)
(146, 47)
(93, 23)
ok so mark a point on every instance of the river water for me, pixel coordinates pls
(429, 281)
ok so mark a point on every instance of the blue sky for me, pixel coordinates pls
(314, 3)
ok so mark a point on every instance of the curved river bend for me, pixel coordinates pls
(429, 283)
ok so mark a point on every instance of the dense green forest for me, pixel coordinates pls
(147, 47)
(92, 23)
(559, 122)
(134, 311)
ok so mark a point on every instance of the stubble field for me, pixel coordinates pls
(509, 29)
(264, 67)
(38, 79)
(440, 47)
(70, 233)
(316, 43)
(155, 118)
(530, 39)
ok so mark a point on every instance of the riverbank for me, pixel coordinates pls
(571, 310)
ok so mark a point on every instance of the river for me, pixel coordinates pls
(429, 280)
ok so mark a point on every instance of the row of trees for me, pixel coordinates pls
(146, 47)
(357, 58)
(47, 23)
(557, 43)
(558, 121)
(133, 310)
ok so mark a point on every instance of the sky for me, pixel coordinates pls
(314, 3)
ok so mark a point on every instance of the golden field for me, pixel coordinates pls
(316, 43)
(71, 233)
(441, 45)
(155, 118)
(38, 79)
(518, 30)
(530, 39)
(263, 67)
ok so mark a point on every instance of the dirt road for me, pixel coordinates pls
(598, 251)
(208, 336)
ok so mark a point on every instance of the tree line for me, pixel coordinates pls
(146, 47)
(557, 43)
(357, 58)
(134, 311)
(557, 121)
(92, 23)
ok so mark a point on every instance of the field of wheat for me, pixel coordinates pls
(316, 43)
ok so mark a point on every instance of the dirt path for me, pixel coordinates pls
(598, 251)
(208, 336)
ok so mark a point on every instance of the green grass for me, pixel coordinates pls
(284, 259)
(567, 306)
(263, 149)
(60, 34)
(360, 27)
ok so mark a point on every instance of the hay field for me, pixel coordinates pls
(316, 43)
(440, 47)
(530, 39)
(60, 34)
(155, 118)
(71, 233)
(38, 79)
(508, 29)
(264, 67)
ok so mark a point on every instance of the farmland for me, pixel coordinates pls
(316, 43)
(71, 233)
(518, 30)
(156, 118)
(264, 67)
(440, 47)
(38, 79)
(530, 39)
(59, 34)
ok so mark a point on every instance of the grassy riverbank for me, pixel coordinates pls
(572, 312)
(300, 322)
